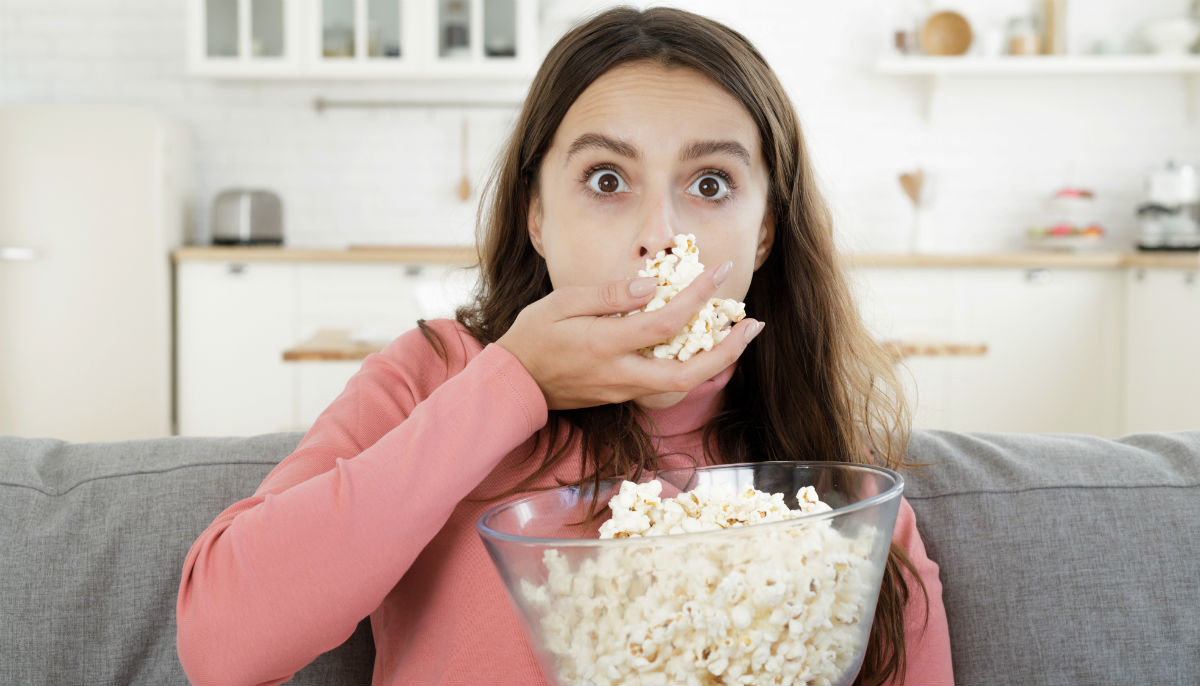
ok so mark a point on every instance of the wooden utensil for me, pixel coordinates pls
(464, 184)
(946, 33)
(911, 182)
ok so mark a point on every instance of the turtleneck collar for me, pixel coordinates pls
(696, 408)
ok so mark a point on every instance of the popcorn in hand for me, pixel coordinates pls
(674, 271)
(775, 605)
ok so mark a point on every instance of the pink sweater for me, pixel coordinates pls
(367, 517)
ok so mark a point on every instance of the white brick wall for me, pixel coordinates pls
(995, 149)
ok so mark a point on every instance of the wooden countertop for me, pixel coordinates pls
(330, 345)
(467, 255)
(441, 254)
(335, 345)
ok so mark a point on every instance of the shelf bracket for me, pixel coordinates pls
(1191, 107)
(930, 85)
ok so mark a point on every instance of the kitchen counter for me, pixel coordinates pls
(439, 254)
(467, 255)
(337, 345)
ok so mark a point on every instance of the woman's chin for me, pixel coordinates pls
(660, 401)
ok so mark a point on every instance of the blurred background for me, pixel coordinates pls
(212, 210)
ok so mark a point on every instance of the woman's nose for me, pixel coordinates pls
(658, 225)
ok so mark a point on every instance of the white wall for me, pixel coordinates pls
(995, 149)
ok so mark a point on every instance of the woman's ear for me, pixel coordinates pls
(766, 238)
(534, 224)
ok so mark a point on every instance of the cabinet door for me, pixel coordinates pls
(1162, 377)
(233, 323)
(481, 38)
(364, 37)
(1054, 351)
(244, 37)
(374, 302)
(907, 304)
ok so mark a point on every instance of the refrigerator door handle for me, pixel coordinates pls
(13, 253)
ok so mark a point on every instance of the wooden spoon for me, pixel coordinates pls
(911, 183)
(464, 184)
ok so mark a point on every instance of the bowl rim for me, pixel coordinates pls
(894, 491)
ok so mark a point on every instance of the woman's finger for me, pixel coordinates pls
(651, 328)
(672, 375)
(614, 297)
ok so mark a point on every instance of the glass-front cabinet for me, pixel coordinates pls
(236, 37)
(362, 38)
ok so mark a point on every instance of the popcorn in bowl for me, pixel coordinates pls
(719, 584)
(675, 270)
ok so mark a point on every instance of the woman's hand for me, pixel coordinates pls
(580, 357)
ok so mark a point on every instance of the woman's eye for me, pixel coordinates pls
(607, 182)
(710, 187)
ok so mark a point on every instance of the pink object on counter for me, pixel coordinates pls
(371, 515)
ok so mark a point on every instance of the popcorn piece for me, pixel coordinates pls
(772, 606)
(675, 271)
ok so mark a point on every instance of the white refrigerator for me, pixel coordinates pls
(92, 201)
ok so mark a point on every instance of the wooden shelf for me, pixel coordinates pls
(934, 70)
(1040, 65)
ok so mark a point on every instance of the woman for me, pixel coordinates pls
(638, 126)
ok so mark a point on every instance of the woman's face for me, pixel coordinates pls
(644, 153)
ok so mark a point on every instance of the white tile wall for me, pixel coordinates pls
(995, 149)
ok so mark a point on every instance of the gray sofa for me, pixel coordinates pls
(1065, 559)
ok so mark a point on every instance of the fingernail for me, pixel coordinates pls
(722, 273)
(753, 330)
(640, 288)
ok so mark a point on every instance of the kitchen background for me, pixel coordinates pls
(994, 138)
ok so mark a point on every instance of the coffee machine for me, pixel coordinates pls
(1170, 217)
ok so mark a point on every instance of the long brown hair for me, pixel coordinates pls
(813, 386)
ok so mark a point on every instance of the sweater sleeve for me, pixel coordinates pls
(287, 574)
(926, 635)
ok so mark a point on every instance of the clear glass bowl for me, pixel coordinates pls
(780, 602)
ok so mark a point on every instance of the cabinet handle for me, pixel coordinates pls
(14, 253)
(413, 270)
(1190, 278)
(236, 268)
(1038, 275)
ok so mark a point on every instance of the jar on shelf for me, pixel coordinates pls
(1023, 37)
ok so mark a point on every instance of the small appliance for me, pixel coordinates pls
(1170, 217)
(247, 217)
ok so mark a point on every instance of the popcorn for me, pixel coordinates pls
(773, 605)
(674, 271)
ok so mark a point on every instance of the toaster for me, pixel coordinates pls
(247, 217)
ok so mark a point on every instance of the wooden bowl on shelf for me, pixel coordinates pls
(946, 33)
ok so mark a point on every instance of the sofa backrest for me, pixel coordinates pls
(1065, 559)
(94, 537)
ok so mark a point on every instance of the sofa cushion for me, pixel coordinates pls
(1065, 559)
(94, 538)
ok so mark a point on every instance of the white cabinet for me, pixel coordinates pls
(913, 305)
(1054, 351)
(1162, 338)
(244, 37)
(232, 321)
(408, 39)
(373, 301)
(1054, 346)
(235, 319)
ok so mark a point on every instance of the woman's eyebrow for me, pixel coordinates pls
(702, 148)
(599, 140)
(693, 151)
